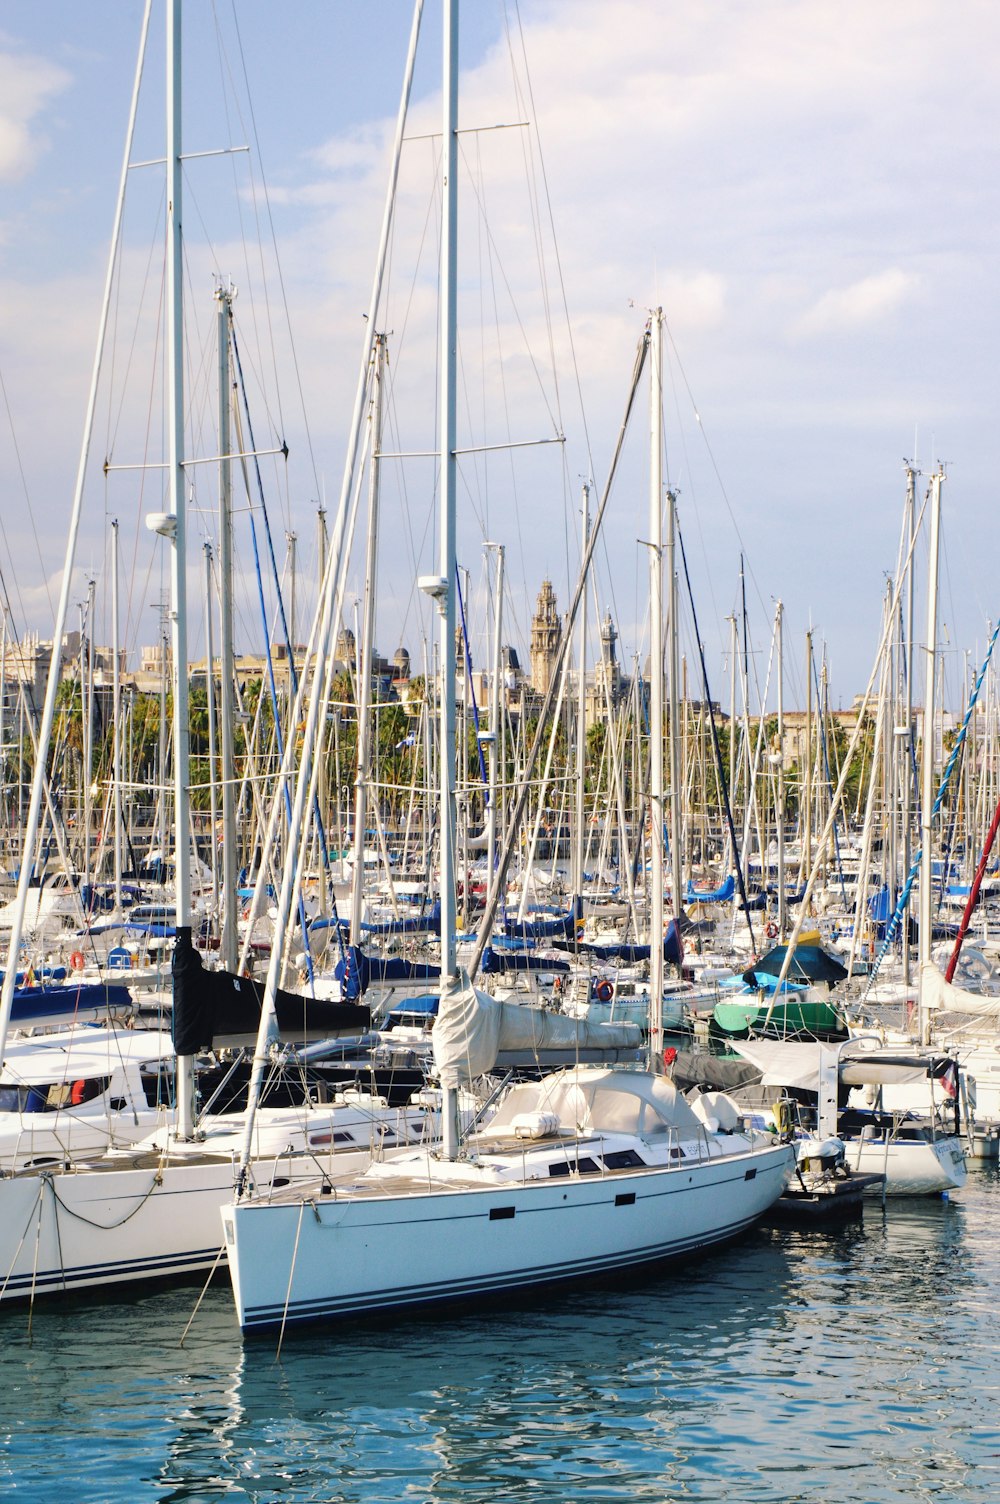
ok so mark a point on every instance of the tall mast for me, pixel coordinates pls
(805, 865)
(363, 660)
(229, 940)
(445, 590)
(676, 776)
(178, 552)
(116, 702)
(656, 692)
(495, 742)
(210, 716)
(927, 750)
(581, 716)
(907, 740)
(780, 822)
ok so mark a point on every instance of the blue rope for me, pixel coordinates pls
(904, 898)
(303, 919)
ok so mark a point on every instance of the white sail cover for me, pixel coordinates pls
(794, 1064)
(939, 996)
(472, 1029)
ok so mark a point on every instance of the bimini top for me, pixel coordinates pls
(595, 1099)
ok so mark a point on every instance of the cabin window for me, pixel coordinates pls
(623, 1159)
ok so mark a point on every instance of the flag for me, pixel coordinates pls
(948, 1080)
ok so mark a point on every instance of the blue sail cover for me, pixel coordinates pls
(717, 895)
(497, 961)
(564, 926)
(629, 955)
(356, 972)
(68, 1002)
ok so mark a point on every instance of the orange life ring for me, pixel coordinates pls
(605, 991)
(772, 930)
(77, 961)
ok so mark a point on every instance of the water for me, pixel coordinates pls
(858, 1365)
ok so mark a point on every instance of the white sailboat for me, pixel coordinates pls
(153, 1211)
(589, 1171)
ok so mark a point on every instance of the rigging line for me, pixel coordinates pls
(293, 677)
(956, 752)
(711, 455)
(515, 310)
(280, 273)
(472, 687)
(695, 508)
(533, 198)
(720, 764)
(499, 877)
(558, 259)
(114, 416)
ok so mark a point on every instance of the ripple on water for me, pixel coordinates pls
(857, 1364)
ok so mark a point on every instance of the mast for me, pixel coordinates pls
(676, 775)
(495, 741)
(907, 740)
(116, 703)
(363, 662)
(177, 530)
(656, 694)
(927, 750)
(780, 822)
(210, 715)
(805, 865)
(229, 939)
(87, 712)
(581, 716)
(442, 587)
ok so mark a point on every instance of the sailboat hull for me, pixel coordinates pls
(154, 1215)
(334, 1256)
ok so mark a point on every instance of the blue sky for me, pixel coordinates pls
(809, 190)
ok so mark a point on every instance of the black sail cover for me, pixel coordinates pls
(218, 1005)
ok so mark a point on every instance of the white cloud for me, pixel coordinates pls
(862, 304)
(763, 171)
(26, 86)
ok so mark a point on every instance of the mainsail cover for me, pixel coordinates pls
(211, 1005)
(939, 996)
(472, 1029)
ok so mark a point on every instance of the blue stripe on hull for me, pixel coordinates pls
(87, 1276)
(400, 1298)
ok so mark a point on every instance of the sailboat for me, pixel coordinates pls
(152, 1211)
(588, 1171)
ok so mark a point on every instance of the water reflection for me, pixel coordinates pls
(799, 1365)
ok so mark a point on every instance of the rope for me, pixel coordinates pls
(718, 749)
(904, 898)
(201, 1297)
(291, 1276)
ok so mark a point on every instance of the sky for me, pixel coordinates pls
(808, 190)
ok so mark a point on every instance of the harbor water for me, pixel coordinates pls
(860, 1364)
